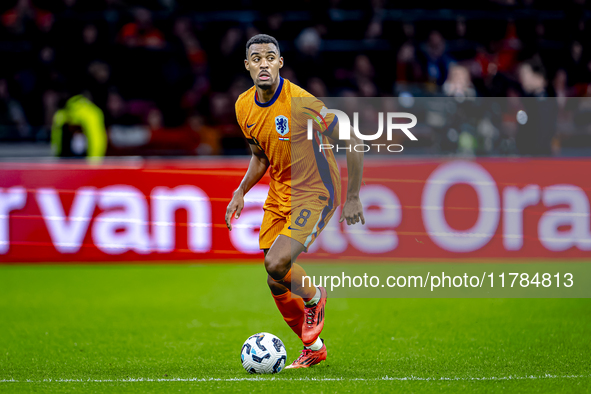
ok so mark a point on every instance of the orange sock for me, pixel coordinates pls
(293, 281)
(292, 310)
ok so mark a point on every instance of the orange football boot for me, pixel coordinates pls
(309, 357)
(314, 319)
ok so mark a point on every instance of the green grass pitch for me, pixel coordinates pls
(165, 328)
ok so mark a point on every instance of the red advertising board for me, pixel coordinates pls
(174, 211)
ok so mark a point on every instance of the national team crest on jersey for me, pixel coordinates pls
(281, 125)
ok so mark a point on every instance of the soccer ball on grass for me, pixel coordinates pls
(263, 353)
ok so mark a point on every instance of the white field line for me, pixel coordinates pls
(302, 379)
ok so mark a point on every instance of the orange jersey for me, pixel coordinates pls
(279, 128)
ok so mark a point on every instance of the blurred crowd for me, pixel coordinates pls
(166, 73)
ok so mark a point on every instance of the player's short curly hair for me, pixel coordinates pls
(262, 39)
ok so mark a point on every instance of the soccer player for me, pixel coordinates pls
(277, 134)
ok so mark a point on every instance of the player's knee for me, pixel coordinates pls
(275, 287)
(276, 266)
(271, 283)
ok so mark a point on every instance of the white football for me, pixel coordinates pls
(263, 353)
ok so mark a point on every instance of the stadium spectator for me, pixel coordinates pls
(78, 130)
(288, 73)
(17, 19)
(560, 87)
(317, 88)
(309, 62)
(141, 32)
(92, 45)
(274, 25)
(232, 42)
(535, 133)
(462, 47)
(458, 83)
(181, 141)
(13, 123)
(436, 60)
(576, 66)
(532, 77)
(408, 69)
(308, 42)
(376, 25)
(209, 138)
(508, 49)
(364, 75)
(98, 84)
(194, 51)
(363, 67)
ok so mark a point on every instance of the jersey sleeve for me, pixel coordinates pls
(310, 107)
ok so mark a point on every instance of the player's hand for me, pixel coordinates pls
(234, 208)
(352, 211)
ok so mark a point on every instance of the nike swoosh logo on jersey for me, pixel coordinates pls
(250, 125)
(297, 229)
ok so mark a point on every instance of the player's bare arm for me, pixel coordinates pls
(256, 170)
(352, 209)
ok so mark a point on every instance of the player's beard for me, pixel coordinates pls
(265, 85)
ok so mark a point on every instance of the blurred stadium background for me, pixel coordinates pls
(165, 73)
(152, 84)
